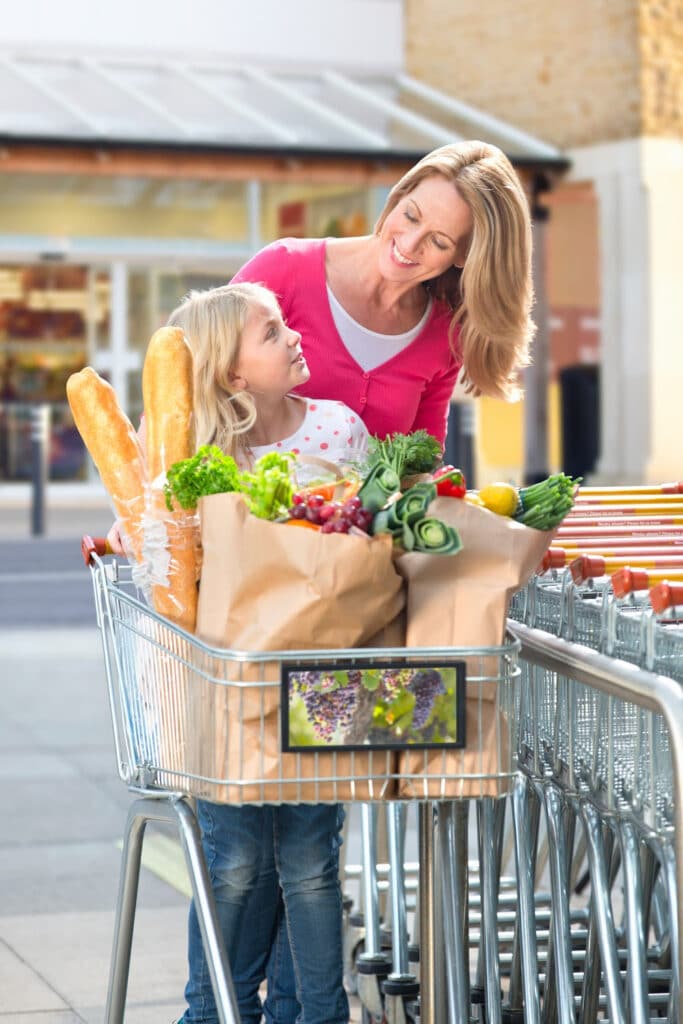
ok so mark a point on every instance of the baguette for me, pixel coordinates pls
(113, 444)
(167, 394)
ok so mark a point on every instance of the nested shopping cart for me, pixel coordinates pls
(601, 756)
(602, 761)
(191, 720)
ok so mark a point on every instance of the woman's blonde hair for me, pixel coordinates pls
(213, 322)
(492, 293)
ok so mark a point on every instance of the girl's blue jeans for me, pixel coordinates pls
(275, 876)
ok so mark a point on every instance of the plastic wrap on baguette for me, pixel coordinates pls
(171, 544)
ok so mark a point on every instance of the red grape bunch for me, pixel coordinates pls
(390, 685)
(328, 708)
(331, 516)
(427, 685)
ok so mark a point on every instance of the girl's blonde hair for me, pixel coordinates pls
(213, 322)
(492, 293)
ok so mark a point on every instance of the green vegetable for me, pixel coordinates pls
(402, 514)
(379, 485)
(544, 505)
(412, 529)
(412, 506)
(436, 538)
(407, 454)
(210, 471)
(387, 521)
(397, 456)
(268, 488)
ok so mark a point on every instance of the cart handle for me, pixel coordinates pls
(587, 567)
(626, 580)
(666, 595)
(554, 558)
(94, 546)
(674, 487)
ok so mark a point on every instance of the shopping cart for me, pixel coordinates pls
(612, 750)
(601, 746)
(170, 698)
(599, 758)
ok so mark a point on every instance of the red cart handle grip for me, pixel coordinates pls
(666, 595)
(554, 558)
(94, 546)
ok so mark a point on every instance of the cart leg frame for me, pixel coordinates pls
(175, 809)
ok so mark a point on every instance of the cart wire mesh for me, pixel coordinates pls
(196, 719)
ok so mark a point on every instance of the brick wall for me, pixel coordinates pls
(661, 42)
(569, 72)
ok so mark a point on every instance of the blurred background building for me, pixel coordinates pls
(154, 148)
(604, 82)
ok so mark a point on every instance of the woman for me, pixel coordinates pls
(387, 322)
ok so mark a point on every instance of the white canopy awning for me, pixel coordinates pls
(199, 104)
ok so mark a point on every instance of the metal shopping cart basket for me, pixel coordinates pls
(601, 748)
(194, 720)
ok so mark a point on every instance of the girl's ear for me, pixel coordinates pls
(237, 382)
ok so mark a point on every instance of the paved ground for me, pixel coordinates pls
(43, 581)
(63, 808)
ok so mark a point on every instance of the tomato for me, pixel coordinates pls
(450, 482)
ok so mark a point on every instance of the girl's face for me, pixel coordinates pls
(270, 361)
(427, 232)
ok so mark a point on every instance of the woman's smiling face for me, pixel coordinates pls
(427, 232)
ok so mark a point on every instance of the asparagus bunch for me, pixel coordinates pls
(544, 505)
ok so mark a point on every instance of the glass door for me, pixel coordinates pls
(49, 326)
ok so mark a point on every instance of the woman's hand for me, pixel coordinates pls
(114, 539)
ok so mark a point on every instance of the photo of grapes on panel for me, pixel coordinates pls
(373, 705)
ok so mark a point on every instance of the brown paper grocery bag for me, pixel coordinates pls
(463, 601)
(267, 586)
(393, 634)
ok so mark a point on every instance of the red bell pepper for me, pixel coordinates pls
(450, 482)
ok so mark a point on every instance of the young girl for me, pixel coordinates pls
(246, 363)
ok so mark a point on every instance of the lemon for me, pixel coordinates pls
(500, 498)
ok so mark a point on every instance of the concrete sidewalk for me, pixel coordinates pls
(64, 809)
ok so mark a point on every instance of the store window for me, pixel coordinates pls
(51, 317)
(86, 206)
(153, 294)
(316, 211)
(56, 317)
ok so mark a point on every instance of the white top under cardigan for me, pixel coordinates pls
(369, 348)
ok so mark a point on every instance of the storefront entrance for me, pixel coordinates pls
(91, 264)
(56, 318)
